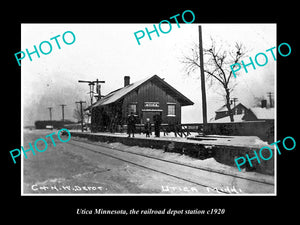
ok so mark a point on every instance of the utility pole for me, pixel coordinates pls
(50, 111)
(204, 109)
(270, 97)
(81, 114)
(63, 113)
(92, 84)
(234, 100)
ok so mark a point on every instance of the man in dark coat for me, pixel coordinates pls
(157, 122)
(131, 124)
(148, 127)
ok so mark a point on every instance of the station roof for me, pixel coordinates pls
(120, 93)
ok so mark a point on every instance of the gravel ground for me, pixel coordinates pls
(209, 164)
(69, 169)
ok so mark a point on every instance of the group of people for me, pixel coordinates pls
(131, 121)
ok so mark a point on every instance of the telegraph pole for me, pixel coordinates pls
(204, 109)
(81, 114)
(234, 100)
(63, 113)
(91, 85)
(50, 112)
(270, 97)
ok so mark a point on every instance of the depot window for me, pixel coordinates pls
(132, 108)
(171, 110)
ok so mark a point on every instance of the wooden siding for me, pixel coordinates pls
(150, 92)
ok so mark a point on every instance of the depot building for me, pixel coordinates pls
(145, 99)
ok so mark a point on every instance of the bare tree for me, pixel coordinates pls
(217, 67)
(77, 114)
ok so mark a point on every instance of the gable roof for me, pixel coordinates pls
(122, 92)
(224, 107)
(263, 113)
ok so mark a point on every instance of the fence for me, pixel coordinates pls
(263, 129)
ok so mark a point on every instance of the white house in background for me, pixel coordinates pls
(257, 113)
(242, 113)
(237, 110)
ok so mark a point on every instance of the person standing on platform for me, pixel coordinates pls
(147, 127)
(131, 124)
(157, 122)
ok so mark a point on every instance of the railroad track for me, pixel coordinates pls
(167, 161)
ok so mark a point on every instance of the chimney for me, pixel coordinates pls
(126, 80)
(264, 103)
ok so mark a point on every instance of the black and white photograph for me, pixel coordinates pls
(137, 112)
(159, 109)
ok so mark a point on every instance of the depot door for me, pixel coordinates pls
(150, 114)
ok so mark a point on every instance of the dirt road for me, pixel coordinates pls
(85, 168)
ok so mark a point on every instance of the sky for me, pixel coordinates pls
(110, 51)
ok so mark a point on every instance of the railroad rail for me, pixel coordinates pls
(223, 173)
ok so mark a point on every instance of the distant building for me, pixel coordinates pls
(242, 113)
(257, 113)
(145, 99)
(222, 112)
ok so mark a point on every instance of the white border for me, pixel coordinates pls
(159, 194)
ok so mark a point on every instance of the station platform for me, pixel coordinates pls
(223, 149)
